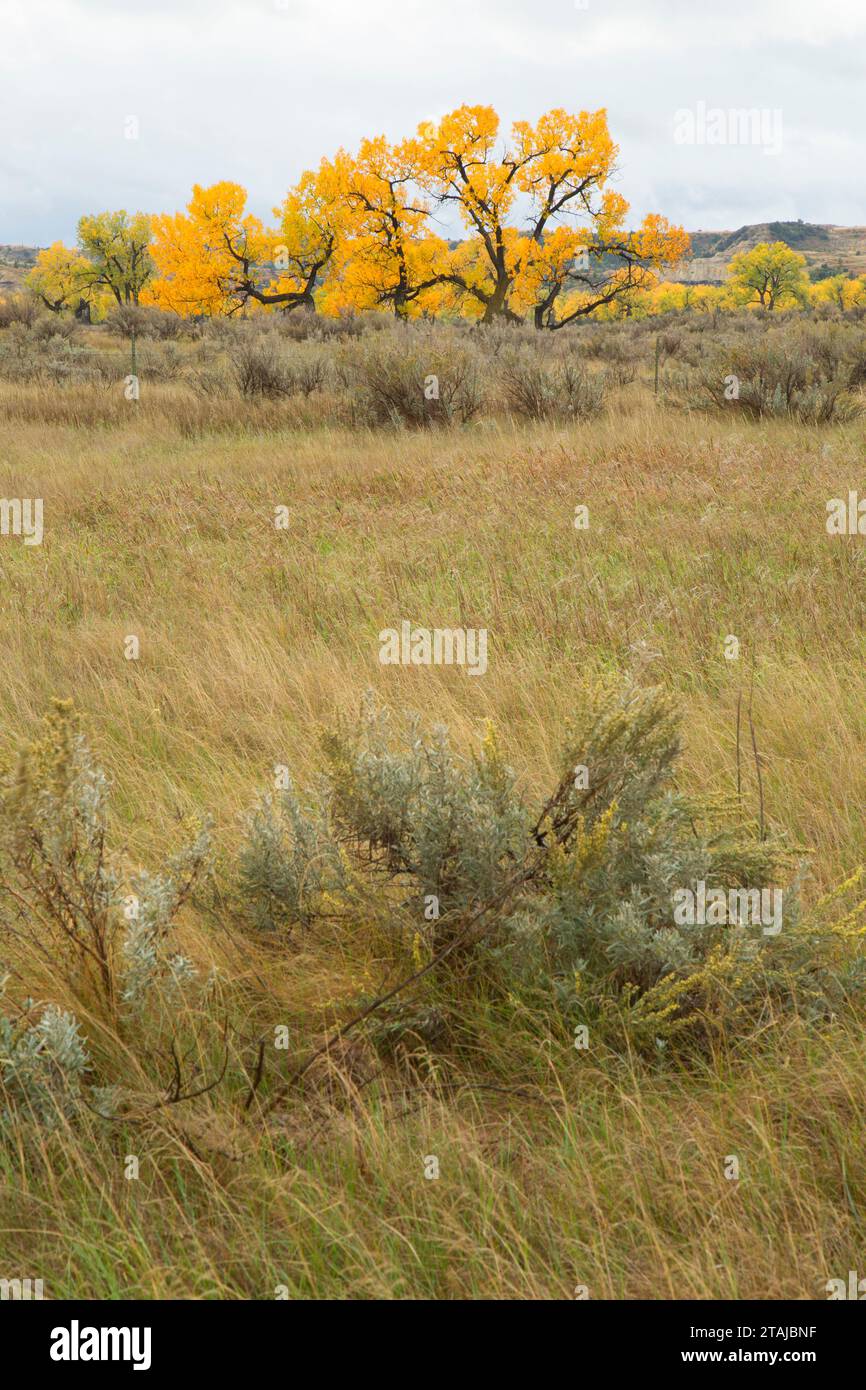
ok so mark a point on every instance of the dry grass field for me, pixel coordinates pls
(559, 1170)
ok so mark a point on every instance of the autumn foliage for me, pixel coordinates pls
(544, 237)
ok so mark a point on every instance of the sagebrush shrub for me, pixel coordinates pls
(541, 389)
(259, 368)
(19, 308)
(149, 322)
(288, 860)
(450, 825)
(264, 366)
(53, 326)
(43, 1061)
(412, 376)
(61, 890)
(808, 375)
(578, 889)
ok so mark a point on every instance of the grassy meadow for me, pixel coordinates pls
(559, 1171)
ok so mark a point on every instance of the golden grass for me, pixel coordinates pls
(610, 1174)
(251, 636)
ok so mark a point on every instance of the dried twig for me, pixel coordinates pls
(259, 1073)
(739, 771)
(459, 939)
(757, 756)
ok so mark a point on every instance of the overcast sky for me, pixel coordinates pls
(257, 90)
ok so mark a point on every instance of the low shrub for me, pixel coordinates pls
(264, 368)
(105, 932)
(540, 389)
(412, 376)
(29, 355)
(19, 308)
(567, 909)
(43, 1060)
(809, 373)
(574, 902)
(146, 321)
(50, 327)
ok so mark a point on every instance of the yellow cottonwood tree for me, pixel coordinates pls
(770, 276)
(388, 257)
(459, 162)
(614, 267)
(312, 221)
(117, 246)
(573, 253)
(675, 296)
(547, 235)
(843, 291)
(216, 258)
(60, 277)
(200, 253)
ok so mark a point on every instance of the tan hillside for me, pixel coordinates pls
(828, 249)
(15, 261)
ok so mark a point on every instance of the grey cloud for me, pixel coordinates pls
(253, 92)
